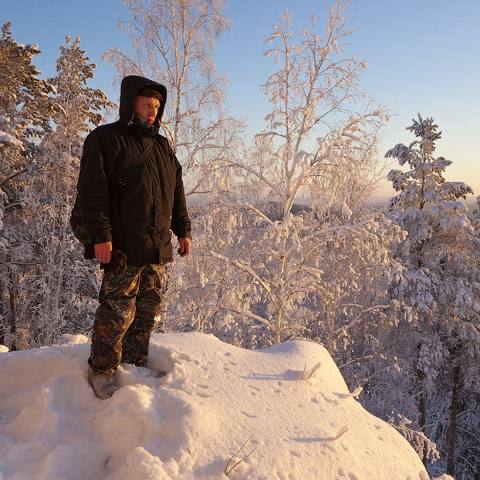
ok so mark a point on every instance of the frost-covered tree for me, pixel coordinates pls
(350, 308)
(62, 289)
(25, 112)
(441, 289)
(273, 255)
(173, 42)
(310, 151)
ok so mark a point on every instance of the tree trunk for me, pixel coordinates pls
(453, 423)
(13, 320)
(421, 407)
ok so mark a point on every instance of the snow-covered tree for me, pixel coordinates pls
(274, 255)
(350, 307)
(441, 289)
(25, 112)
(63, 287)
(310, 151)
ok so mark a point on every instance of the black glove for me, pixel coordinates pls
(116, 264)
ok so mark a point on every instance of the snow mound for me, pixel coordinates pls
(279, 413)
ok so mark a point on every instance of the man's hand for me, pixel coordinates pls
(103, 252)
(184, 248)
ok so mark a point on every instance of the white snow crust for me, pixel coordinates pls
(283, 413)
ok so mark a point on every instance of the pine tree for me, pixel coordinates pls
(25, 113)
(441, 288)
(63, 286)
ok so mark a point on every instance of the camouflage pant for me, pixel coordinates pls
(125, 319)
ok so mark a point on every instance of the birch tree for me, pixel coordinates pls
(173, 42)
(314, 149)
(310, 151)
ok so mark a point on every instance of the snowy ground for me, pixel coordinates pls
(285, 411)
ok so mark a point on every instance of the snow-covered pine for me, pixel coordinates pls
(442, 290)
(25, 113)
(59, 290)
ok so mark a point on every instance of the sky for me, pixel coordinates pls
(280, 413)
(422, 57)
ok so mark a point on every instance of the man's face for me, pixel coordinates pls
(147, 108)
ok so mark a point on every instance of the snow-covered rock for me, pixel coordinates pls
(280, 413)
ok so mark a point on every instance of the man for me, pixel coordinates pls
(130, 197)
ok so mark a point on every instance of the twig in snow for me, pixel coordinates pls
(230, 465)
(355, 393)
(340, 433)
(308, 375)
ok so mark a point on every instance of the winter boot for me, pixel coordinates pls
(103, 385)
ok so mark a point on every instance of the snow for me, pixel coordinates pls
(280, 413)
(7, 138)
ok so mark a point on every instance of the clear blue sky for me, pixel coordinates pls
(423, 57)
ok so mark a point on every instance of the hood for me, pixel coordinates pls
(128, 91)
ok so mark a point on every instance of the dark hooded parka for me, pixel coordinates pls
(134, 204)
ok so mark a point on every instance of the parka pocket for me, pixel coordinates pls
(163, 243)
(161, 238)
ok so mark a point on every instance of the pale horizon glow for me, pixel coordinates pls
(422, 58)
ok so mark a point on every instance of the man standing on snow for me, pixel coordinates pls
(130, 197)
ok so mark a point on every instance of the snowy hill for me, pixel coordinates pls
(285, 411)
